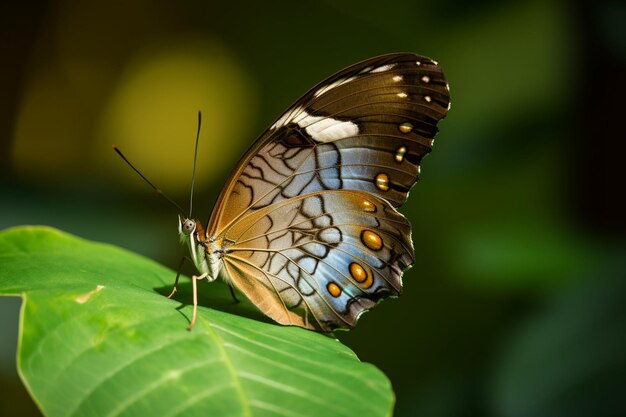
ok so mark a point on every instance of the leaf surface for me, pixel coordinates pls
(99, 338)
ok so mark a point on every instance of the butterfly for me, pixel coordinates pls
(307, 225)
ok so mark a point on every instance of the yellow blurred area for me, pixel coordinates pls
(150, 112)
(152, 115)
(44, 132)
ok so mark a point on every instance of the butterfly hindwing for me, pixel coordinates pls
(320, 259)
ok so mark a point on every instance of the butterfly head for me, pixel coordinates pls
(192, 235)
(186, 227)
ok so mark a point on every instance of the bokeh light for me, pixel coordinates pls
(152, 114)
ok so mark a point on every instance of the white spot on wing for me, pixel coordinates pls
(287, 118)
(320, 128)
(397, 78)
(327, 129)
(383, 68)
(332, 85)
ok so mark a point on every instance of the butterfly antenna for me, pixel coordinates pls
(155, 188)
(195, 159)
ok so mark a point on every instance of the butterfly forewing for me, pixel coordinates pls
(375, 117)
(307, 220)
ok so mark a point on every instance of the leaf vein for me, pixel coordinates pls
(167, 376)
(115, 370)
(294, 391)
(219, 343)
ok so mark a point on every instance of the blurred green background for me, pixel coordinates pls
(514, 307)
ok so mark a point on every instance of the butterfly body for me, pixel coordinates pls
(205, 252)
(306, 226)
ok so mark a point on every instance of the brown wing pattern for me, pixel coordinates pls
(365, 128)
(307, 223)
(320, 259)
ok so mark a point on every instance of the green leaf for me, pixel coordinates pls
(99, 338)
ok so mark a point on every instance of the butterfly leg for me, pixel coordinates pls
(175, 285)
(194, 281)
(180, 265)
(232, 294)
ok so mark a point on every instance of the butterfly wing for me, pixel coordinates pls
(320, 259)
(358, 136)
(376, 117)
